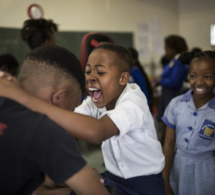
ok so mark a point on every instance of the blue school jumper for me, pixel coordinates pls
(137, 77)
(193, 170)
(172, 79)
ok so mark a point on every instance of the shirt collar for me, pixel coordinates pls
(186, 97)
(176, 56)
(102, 110)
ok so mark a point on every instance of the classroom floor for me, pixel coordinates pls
(93, 155)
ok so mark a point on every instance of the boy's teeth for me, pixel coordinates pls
(93, 89)
(199, 89)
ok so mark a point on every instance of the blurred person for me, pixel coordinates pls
(8, 63)
(172, 77)
(39, 32)
(140, 77)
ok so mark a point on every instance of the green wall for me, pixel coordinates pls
(11, 42)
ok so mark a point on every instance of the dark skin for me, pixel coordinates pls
(84, 181)
(102, 73)
(202, 82)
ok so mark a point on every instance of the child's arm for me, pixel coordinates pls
(81, 126)
(85, 182)
(168, 150)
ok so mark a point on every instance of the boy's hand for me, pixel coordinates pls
(9, 85)
(98, 175)
(8, 76)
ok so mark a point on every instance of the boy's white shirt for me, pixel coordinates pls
(136, 151)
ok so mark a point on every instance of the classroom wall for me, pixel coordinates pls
(148, 20)
(195, 18)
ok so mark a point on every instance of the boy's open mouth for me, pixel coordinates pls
(95, 93)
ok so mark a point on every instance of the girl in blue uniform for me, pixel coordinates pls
(190, 121)
(174, 73)
(172, 77)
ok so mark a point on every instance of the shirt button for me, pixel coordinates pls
(190, 128)
(186, 140)
(195, 114)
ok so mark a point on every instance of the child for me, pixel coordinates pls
(172, 77)
(190, 126)
(139, 76)
(9, 63)
(31, 145)
(118, 116)
(39, 32)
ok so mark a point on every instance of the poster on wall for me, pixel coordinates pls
(150, 44)
(143, 40)
(157, 38)
(149, 39)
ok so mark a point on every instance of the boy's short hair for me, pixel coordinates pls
(123, 54)
(52, 58)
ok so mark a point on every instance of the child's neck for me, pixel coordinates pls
(200, 102)
(113, 104)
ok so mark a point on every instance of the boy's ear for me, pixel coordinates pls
(58, 98)
(124, 78)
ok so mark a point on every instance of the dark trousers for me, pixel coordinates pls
(142, 185)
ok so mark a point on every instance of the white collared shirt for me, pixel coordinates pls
(136, 151)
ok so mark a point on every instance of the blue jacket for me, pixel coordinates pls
(173, 75)
(138, 78)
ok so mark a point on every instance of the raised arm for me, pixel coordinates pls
(84, 127)
(168, 150)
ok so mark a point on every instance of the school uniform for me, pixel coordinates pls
(172, 79)
(193, 170)
(137, 77)
(136, 151)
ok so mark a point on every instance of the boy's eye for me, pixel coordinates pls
(87, 70)
(208, 77)
(192, 76)
(101, 73)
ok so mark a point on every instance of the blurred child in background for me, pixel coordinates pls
(8, 63)
(38, 32)
(140, 77)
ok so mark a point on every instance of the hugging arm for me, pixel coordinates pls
(81, 126)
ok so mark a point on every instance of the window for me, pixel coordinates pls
(212, 40)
